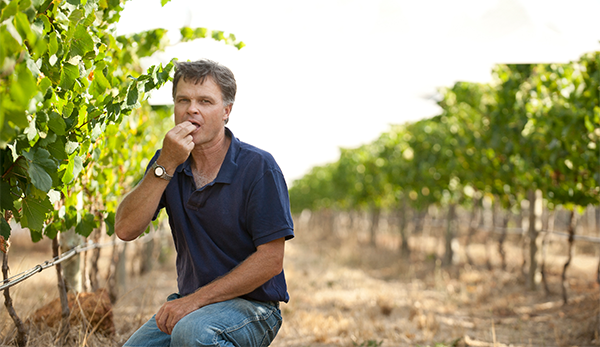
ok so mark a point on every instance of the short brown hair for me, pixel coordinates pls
(197, 71)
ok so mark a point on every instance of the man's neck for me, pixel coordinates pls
(207, 160)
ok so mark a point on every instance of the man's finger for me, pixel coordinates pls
(170, 325)
(161, 320)
(186, 127)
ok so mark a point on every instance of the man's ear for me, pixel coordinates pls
(227, 112)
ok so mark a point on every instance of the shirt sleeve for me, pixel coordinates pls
(268, 214)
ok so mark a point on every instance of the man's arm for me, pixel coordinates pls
(136, 210)
(253, 272)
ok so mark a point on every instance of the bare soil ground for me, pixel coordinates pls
(347, 293)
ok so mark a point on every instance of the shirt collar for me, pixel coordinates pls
(229, 166)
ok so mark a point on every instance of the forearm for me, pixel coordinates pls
(135, 212)
(137, 209)
(249, 275)
(257, 269)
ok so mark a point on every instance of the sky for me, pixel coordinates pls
(320, 75)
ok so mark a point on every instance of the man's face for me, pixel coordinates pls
(201, 105)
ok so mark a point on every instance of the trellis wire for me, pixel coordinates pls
(18, 278)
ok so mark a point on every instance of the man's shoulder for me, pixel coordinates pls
(252, 155)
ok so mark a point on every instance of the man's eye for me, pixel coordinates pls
(205, 101)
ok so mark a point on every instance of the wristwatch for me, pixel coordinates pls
(160, 172)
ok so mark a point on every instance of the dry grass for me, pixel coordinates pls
(346, 293)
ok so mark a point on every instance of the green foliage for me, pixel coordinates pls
(534, 127)
(74, 122)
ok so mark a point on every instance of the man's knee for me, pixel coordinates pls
(187, 332)
(245, 322)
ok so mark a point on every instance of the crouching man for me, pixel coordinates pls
(229, 212)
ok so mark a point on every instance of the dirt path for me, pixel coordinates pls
(354, 295)
(345, 293)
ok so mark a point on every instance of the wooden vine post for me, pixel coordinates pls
(571, 231)
(535, 211)
(63, 330)
(550, 218)
(21, 339)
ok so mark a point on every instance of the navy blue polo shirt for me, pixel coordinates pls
(218, 226)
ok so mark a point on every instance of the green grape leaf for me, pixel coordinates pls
(24, 28)
(110, 223)
(52, 44)
(40, 168)
(73, 169)
(44, 84)
(46, 21)
(133, 96)
(97, 131)
(51, 231)
(82, 42)
(56, 123)
(4, 228)
(70, 217)
(99, 82)
(76, 16)
(36, 236)
(69, 73)
(57, 149)
(86, 225)
(23, 87)
(48, 140)
(6, 198)
(34, 212)
(9, 11)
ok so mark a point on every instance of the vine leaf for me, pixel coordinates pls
(34, 213)
(22, 90)
(56, 123)
(6, 198)
(86, 225)
(41, 166)
(82, 42)
(68, 76)
(4, 228)
(73, 169)
(110, 223)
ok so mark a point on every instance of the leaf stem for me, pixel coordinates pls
(12, 167)
(85, 123)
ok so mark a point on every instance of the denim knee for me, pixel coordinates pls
(237, 322)
(188, 332)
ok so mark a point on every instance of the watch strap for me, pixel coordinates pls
(165, 176)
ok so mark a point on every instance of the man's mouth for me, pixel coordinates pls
(197, 125)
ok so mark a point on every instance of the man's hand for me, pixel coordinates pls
(172, 311)
(177, 146)
(253, 272)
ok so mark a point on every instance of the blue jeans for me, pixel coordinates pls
(238, 322)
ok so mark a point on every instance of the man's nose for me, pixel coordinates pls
(194, 107)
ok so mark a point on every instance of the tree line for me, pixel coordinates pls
(533, 128)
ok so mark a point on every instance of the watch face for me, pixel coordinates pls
(159, 171)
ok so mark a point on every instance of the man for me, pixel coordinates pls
(228, 209)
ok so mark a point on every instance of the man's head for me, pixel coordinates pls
(197, 72)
